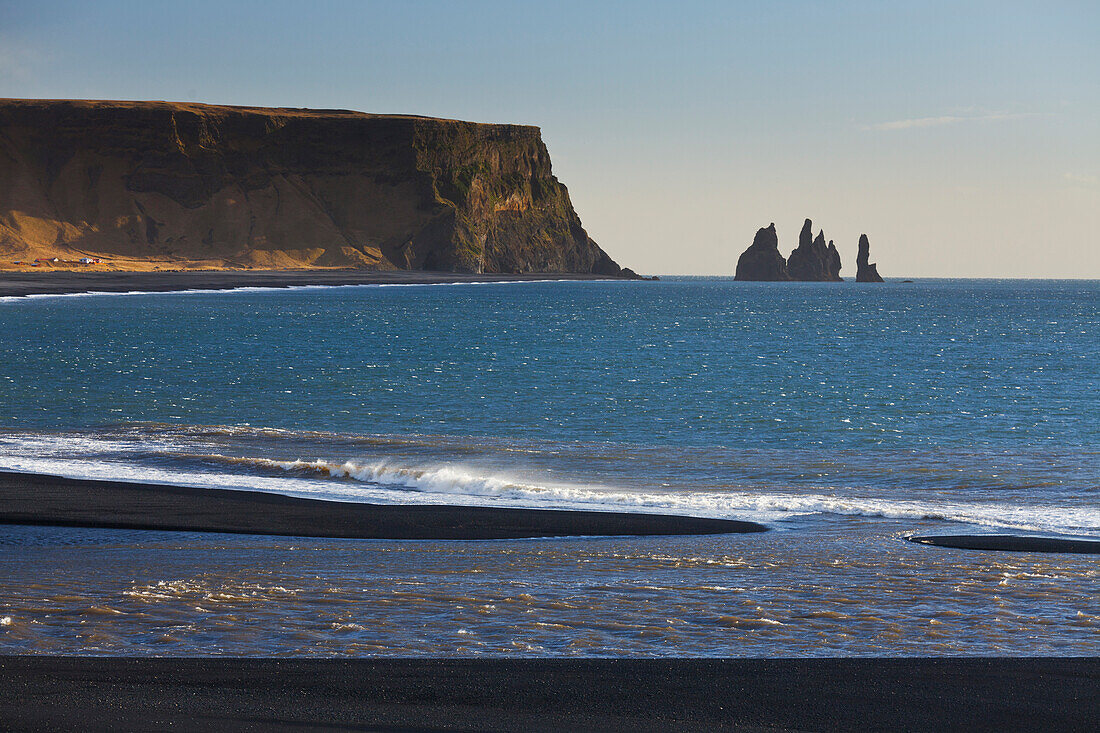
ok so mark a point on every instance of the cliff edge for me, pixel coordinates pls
(158, 185)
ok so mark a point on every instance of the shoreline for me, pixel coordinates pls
(141, 693)
(63, 282)
(44, 500)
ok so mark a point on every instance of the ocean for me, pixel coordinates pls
(845, 417)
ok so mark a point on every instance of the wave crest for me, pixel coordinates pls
(455, 481)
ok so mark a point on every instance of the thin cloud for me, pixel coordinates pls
(945, 120)
(1081, 179)
(16, 60)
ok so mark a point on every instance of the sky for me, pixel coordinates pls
(962, 137)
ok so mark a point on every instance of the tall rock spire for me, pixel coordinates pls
(813, 260)
(866, 272)
(834, 260)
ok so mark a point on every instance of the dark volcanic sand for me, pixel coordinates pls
(1011, 543)
(61, 282)
(53, 500)
(67, 693)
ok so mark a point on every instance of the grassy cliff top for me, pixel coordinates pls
(223, 110)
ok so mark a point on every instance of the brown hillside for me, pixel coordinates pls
(158, 185)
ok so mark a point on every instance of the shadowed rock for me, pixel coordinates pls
(866, 272)
(762, 261)
(813, 260)
(806, 236)
(834, 260)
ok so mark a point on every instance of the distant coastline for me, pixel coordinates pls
(16, 284)
(64, 282)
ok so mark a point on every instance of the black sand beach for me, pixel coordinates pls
(62, 282)
(1011, 543)
(976, 694)
(52, 500)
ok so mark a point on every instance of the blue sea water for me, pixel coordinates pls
(843, 416)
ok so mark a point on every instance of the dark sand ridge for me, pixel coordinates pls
(67, 693)
(1011, 543)
(60, 283)
(52, 500)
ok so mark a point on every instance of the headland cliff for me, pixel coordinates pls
(158, 185)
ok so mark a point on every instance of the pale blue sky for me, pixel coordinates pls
(963, 138)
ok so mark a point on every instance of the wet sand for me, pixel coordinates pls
(51, 500)
(62, 282)
(71, 693)
(1011, 543)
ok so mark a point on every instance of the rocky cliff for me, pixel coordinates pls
(814, 260)
(194, 185)
(762, 261)
(866, 271)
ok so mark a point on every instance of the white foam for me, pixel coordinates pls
(452, 479)
(390, 482)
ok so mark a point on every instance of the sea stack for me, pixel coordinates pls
(834, 262)
(762, 261)
(866, 272)
(813, 260)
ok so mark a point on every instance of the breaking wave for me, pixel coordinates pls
(452, 480)
(192, 457)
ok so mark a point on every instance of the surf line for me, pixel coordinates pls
(37, 499)
(284, 288)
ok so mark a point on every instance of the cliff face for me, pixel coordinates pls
(762, 261)
(866, 271)
(202, 185)
(813, 260)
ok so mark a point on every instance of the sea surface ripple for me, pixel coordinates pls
(843, 416)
